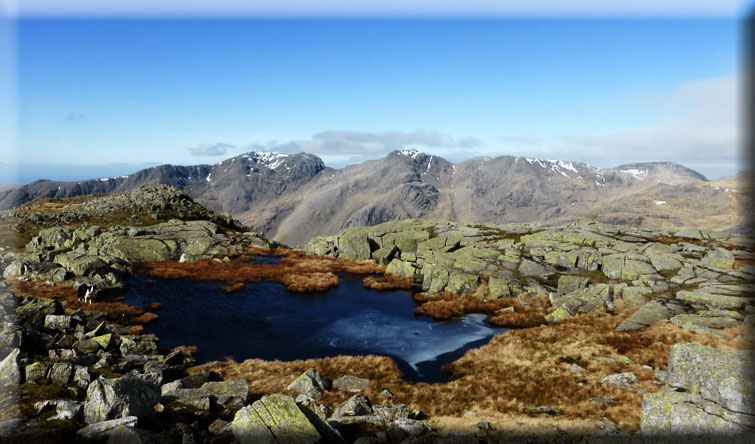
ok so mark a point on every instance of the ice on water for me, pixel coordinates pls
(409, 339)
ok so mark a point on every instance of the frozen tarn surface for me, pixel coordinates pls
(414, 342)
(267, 322)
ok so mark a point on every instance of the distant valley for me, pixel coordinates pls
(294, 197)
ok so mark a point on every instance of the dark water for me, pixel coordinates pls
(268, 322)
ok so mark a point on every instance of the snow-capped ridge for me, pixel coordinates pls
(269, 159)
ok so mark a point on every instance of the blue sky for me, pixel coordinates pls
(113, 95)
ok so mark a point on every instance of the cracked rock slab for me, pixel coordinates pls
(274, 419)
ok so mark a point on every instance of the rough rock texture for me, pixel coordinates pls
(120, 397)
(662, 273)
(274, 419)
(310, 383)
(709, 393)
(10, 369)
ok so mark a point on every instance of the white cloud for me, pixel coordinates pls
(214, 149)
(339, 147)
(698, 126)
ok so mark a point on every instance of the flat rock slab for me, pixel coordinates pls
(671, 415)
(720, 376)
(274, 419)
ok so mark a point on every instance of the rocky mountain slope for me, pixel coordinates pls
(697, 280)
(292, 198)
(233, 185)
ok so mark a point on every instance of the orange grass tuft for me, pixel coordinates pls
(531, 315)
(449, 305)
(388, 281)
(301, 283)
(232, 287)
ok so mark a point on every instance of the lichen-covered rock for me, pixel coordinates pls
(434, 278)
(138, 345)
(668, 416)
(119, 398)
(36, 371)
(619, 266)
(357, 405)
(310, 383)
(621, 380)
(716, 297)
(462, 283)
(568, 283)
(400, 267)
(10, 369)
(100, 430)
(720, 376)
(350, 383)
(650, 313)
(720, 258)
(665, 262)
(230, 395)
(354, 244)
(273, 419)
(57, 322)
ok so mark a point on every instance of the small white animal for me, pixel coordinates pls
(85, 293)
(88, 295)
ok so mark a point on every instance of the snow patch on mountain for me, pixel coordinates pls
(636, 173)
(412, 153)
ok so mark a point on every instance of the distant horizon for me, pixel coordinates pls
(603, 91)
(25, 174)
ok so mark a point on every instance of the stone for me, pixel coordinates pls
(57, 322)
(357, 405)
(621, 380)
(61, 372)
(196, 399)
(36, 372)
(104, 341)
(120, 397)
(138, 345)
(400, 267)
(354, 244)
(230, 395)
(650, 313)
(712, 297)
(666, 262)
(719, 376)
(63, 409)
(351, 384)
(619, 266)
(100, 430)
(462, 283)
(273, 419)
(568, 283)
(720, 258)
(668, 415)
(10, 369)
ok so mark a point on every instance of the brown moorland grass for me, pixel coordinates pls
(449, 305)
(388, 281)
(115, 312)
(296, 271)
(516, 371)
(523, 316)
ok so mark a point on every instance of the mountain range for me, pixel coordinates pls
(293, 197)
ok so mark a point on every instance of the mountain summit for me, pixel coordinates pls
(293, 197)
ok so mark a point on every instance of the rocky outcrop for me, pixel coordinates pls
(274, 419)
(104, 255)
(120, 397)
(686, 277)
(709, 394)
